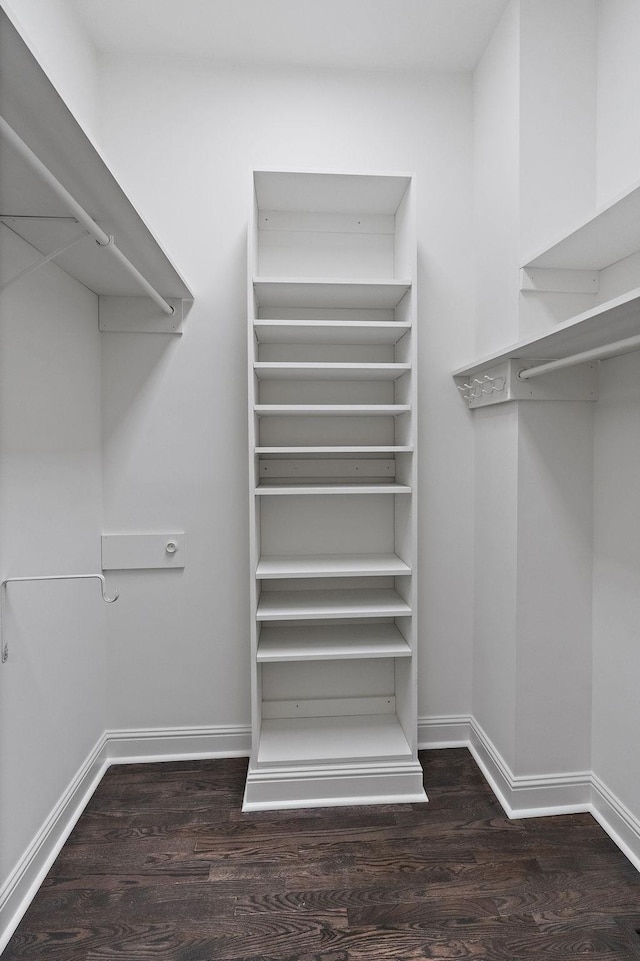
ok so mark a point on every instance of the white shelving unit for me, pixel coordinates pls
(574, 263)
(332, 406)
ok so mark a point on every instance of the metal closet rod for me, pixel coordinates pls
(81, 215)
(4, 647)
(598, 353)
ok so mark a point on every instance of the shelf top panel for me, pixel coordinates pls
(311, 605)
(331, 565)
(330, 293)
(609, 236)
(329, 331)
(324, 192)
(366, 736)
(331, 642)
(288, 370)
(604, 324)
(31, 105)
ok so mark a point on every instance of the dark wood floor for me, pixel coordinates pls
(163, 866)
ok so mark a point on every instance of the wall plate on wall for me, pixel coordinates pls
(132, 551)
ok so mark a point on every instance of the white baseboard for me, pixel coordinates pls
(520, 796)
(114, 747)
(542, 795)
(22, 884)
(617, 820)
(178, 743)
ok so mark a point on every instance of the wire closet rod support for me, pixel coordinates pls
(102, 239)
(598, 353)
(4, 647)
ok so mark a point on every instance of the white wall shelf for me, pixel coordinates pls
(317, 605)
(342, 410)
(331, 565)
(389, 449)
(331, 642)
(340, 332)
(332, 384)
(329, 293)
(328, 371)
(29, 206)
(343, 738)
(278, 490)
(604, 239)
(608, 323)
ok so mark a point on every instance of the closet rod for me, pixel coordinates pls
(598, 353)
(102, 239)
(4, 647)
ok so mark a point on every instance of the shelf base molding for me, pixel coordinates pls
(499, 383)
(342, 785)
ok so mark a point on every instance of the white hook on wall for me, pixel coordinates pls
(4, 647)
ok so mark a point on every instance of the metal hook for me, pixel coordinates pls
(4, 647)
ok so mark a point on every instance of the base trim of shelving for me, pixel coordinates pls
(338, 786)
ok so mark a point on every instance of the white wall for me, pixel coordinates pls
(53, 686)
(184, 138)
(63, 49)
(616, 574)
(618, 155)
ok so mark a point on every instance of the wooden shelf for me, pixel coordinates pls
(331, 565)
(342, 410)
(316, 739)
(614, 320)
(319, 605)
(338, 332)
(331, 642)
(277, 490)
(612, 234)
(328, 371)
(37, 113)
(329, 293)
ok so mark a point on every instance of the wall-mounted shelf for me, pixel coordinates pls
(331, 642)
(567, 354)
(29, 206)
(342, 410)
(329, 293)
(316, 605)
(286, 370)
(339, 332)
(332, 565)
(612, 234)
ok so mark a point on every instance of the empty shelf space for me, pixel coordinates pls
(328, 371)
(330, 293)
(296, 489)
(342, 410)
(331, 642)
(309, 739)
(331, 565)
(338, 332)
(317, 605)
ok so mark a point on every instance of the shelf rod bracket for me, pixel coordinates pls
(103, 239)
(4, 646)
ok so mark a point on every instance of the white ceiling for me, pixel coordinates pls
(410, 35)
